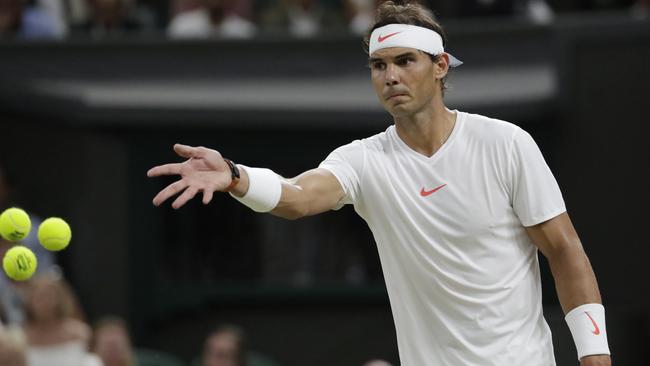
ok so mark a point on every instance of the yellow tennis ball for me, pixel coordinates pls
(19, 263)
(14, 224)
(54, 234)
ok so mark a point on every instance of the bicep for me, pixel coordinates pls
(310, 193)
(554, 236)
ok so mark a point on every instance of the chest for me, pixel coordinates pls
(458, 194)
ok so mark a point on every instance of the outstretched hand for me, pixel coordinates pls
(204, 171)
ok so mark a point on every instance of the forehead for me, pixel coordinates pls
(392, 52)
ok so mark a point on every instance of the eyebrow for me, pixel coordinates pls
(401, 55)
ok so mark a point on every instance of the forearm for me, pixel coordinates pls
(289, 206)
(575, 281)
(578, 291)
(310, 193)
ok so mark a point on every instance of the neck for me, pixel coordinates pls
(428, 129)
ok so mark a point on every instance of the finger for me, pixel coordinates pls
(169, 191)
(189, 193)
(186, 151)
(207, 196)
(167, 169)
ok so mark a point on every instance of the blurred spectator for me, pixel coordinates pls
(55, 335)
(56, 9)
(226, 346)
(20, 20)
(301, 18)
(360, 15)
(377, 363)
(304, 17)
(211, 18)
(112, 343)
(12, 353)
(115, 18)
(535, 11)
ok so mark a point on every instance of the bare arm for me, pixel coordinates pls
(205, 171)
(574, 277)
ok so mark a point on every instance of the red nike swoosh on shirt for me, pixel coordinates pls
(424, 192)
(381, 39)
(596, 331)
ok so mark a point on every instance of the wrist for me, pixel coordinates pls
(234, 175)
(241, 187)
(587, 325)
(596, 360)
(261, 190)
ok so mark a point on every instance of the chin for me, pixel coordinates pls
(399, 111)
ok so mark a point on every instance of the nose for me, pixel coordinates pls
(391, 75)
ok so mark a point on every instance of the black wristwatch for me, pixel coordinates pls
(234, 173)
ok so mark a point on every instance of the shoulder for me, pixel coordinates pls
(375, 142)
(379, 141)
(490, 130)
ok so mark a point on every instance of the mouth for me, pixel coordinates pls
(395, 96)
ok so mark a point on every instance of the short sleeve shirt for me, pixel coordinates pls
(462, 275)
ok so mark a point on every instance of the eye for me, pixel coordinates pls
(404, 61)
(378, 66)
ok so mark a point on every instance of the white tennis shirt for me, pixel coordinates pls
(462, 275)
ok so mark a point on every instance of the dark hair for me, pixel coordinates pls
(407, 12)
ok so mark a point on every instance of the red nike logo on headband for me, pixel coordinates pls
(381, 39)
(596, 330)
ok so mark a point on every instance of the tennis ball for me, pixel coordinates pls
(14, 224)
(54, 234)
(19, 263)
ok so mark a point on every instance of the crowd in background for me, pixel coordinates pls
(55, 333)
(237, 19)
(42, 322)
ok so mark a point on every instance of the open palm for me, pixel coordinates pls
(204, 171)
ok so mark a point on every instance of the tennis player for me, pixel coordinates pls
(459, 205)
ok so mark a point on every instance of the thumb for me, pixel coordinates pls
(186, 151)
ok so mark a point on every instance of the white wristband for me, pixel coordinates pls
(587, 325)
(264, 189)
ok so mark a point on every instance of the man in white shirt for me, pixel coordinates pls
(458, 204)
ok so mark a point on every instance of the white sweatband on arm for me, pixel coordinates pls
(264, 189)
(587, 325)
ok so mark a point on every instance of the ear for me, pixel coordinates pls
(441, 66)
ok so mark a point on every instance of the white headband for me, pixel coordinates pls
(411, 36)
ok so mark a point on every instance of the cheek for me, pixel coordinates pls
(426, 84)
(377, 84)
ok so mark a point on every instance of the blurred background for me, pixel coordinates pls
(95, 92)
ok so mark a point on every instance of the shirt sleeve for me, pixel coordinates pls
(346, 163)
(536, 196)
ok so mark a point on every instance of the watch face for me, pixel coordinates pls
(234, 170)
